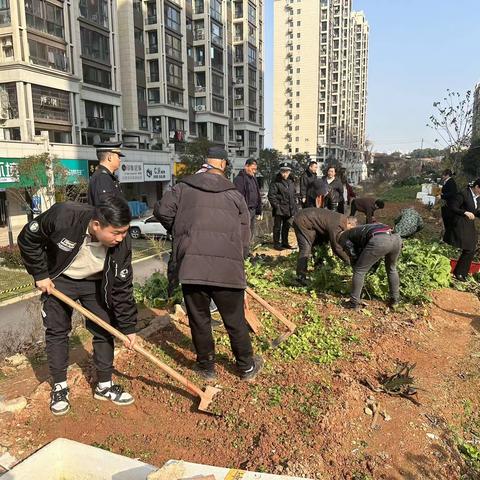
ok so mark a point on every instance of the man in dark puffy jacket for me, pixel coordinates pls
(281, 196)
(247, 185)
(209, 220)
(315, 226)
(83, 252)
(366, 246)
(306, 182)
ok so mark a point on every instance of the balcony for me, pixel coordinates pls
(152, 49)
(99, 123)
(199, 63)
(200, 89)
(239, 80)
(238, 59)
(238, 38)
(154, 77)
(217, 40)
(199, 34)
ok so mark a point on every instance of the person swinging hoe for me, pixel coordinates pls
(85, 253)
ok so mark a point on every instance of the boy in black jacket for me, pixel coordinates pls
(83, 252)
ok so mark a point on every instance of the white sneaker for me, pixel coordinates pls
(115, 394)
(59, 401)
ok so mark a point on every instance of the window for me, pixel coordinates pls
(45, 17)
(97, 76)
(252, 34)
(252, 55)
(95, 45)
(140, 64)
(151, 13)
(141, 94)
(217, 85)
(172, 18)
(174, 97)
(252, 98)
(252, 77)
(199, 6)
(217, 58)
(50, 104)
(95, 10)
(99, 116)
(216, 9)
(138, 34)
(238, 53)
(252, 13)
(47, 56)
(12, 105)
(218, 105)
(154, 71)
(156, 124)
(175, 124)
(239, 115)
(173, 46)
(4, 12)
(199, 54)
(252, 139)
(298, 35)
(143, 122)
(218, 130)
(152, 42)
(252, 115)
(238, 10)
(153, 95)
(217, 34)
(174, 74)
(299, 24)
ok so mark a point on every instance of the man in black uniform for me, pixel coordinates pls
(85, 253)
(103, 180)
(315, 226)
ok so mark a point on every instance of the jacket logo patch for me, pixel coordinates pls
(34, 227)
(123, 273)
(66, 245)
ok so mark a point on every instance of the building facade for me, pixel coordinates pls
(320, 81)
(149, 73)
(476, 114)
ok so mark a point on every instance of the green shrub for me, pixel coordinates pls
(154, 292)
(11, 257)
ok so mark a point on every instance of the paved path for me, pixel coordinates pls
(21, 322)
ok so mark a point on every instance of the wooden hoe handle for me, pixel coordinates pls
(106, 326)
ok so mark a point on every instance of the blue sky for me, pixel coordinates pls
(418, 49)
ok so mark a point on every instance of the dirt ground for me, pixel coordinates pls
(297, 418)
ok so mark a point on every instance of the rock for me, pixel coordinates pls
(167, 472)
(42, 392)
(432, 436)
(8, 461)
(157, 323)
(368, 411)
(18, 361)
(386, 416)
(14, 405)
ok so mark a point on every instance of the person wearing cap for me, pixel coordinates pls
(247, 185)
(103, 180)
(306, 182)
(366, 245)
(210, 223)
(281, 196)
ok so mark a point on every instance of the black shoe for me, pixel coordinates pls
(250, 374)
(59, 401)
(278, 247)
(393, 303)
(207, 374)
(460, 278)
(302, 281)
(352, 305)
(287, 246)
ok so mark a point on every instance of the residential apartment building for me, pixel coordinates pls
(149, 73)
(320, 75)
(476, 114)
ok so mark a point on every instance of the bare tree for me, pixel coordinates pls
(452, 121)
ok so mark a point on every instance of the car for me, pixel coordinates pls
(147, 227)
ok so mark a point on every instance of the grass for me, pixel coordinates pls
(144, 247)
(13, 279)
(401, 194)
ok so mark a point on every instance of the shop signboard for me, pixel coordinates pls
(156, 173)
(130, 172)
(76, 170)
(8, 168)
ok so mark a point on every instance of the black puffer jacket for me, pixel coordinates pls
(281, 196)
(210, 223)
(50, 243)
(306, 180)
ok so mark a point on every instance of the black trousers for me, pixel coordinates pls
(57, 319)
(305, 244)
(230, 303)
(252, 212)
(281, 227)
(464, 262)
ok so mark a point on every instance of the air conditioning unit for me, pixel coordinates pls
(238, 97)
(239, 80)
(200, 108)
(199, 88)
(239, 119)
(239, 137)
(7, 43)
(3, 115)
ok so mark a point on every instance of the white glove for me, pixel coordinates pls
(259, 217)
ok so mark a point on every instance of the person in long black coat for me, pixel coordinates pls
(335, 189)
(464, 208)
(281, 196)
(306, 182)
(449, 191)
